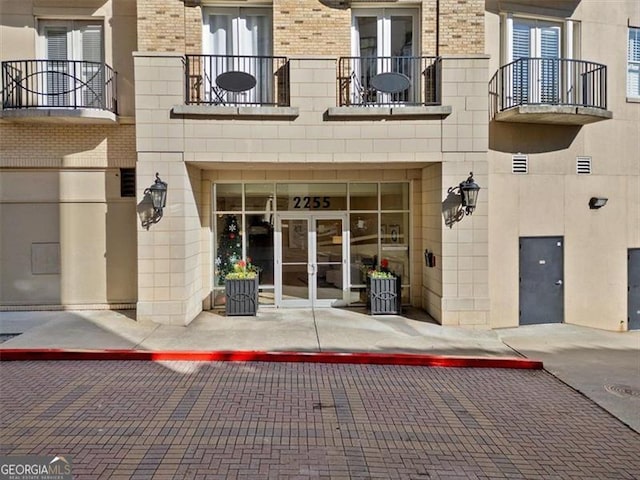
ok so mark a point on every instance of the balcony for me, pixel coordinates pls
(236, 85)
(393, 87)
(550, 91)
(58, 90)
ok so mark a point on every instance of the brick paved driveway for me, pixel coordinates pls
(259, 420)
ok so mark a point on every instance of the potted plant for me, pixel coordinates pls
(241, 289)
(383, 290)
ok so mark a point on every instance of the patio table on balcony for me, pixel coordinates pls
(390, 82)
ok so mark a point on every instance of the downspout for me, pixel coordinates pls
(437, 28)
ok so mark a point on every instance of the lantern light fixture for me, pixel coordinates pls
(469, 191)
(461, 200)
(156, 195)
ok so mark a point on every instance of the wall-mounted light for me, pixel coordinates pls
(157, 194)
(597, 202)
(461, 201)
(469, 190)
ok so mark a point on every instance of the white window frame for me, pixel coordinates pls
(569, 41)
(237, 15)
(633, 63)
(383, 16)
(74, 52)
(383, 40)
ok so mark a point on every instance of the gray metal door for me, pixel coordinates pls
(541, 280)
(634, 289)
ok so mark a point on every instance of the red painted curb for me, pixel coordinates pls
(13, 355)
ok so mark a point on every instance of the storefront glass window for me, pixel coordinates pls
(258, 197)
(364, 245)
(260, 246)
(394, 243)
(245, 218)
(229, 197)
(394, 196)
(228, 245)
(363, 196)
(301, 197)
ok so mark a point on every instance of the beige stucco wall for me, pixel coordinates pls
(81, 212)
(19, 35)
(552, 200)
(59, 181)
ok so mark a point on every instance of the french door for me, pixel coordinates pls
(239, 39)
(311, 259)
(384, 40)
(75, 74)
(536, 78)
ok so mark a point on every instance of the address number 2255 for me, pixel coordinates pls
(311, 202)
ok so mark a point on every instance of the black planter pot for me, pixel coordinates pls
(242, 296)
(383, 296)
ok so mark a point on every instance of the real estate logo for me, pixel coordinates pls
(31, 467)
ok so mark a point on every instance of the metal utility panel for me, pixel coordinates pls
(633, 287)
(541, 280)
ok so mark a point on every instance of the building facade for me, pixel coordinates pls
(320, 138)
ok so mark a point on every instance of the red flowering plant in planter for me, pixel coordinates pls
(383, 290)
(381, 271)
(243, 269)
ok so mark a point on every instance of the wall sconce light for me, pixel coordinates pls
(157, 192)
(597, 202)
(461, 201)
(469, 190)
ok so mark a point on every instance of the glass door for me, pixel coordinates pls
(239, 39)
(537, 75)
(310, 260)
(383, 41)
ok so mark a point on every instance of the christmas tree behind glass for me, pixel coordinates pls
(229, 247)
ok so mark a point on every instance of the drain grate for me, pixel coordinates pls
(622, 390)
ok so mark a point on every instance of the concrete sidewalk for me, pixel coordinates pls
(304, 330)
(604, 366)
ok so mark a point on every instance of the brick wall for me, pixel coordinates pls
(461, 26)
(59, 145)
(311, 27)
(161, 26)
(308, 27)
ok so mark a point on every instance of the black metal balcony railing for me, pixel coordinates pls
(549, 81)
(409, 81)
(203, 85)
(60, 84)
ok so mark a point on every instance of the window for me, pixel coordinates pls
(384, 40)
(633, 65)
(238, 39)
(74, 73)
(538, 44)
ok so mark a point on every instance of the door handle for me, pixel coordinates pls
(558, 282)
(311, 268)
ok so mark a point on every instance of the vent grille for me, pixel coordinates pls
(127, 182)
(520, 164)
(583, 165)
